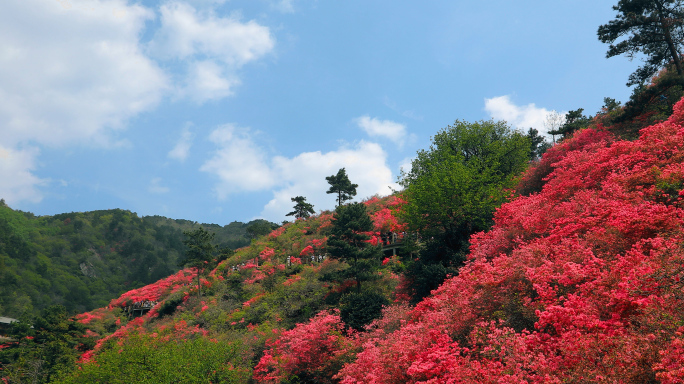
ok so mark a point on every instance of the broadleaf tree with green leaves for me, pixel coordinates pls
(452, 191)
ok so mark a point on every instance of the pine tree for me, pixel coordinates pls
(654, 28)
(341, 185)
(200, 252)
(302, 209)
(349, 242)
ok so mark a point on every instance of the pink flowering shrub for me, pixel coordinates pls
(153, 292)
(87, 317)
(383, 213)
(307, 251)
(267, 253)
(311, 352)
(277, 232)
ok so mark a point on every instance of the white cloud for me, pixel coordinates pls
(186, 32)
(304, 175)
(214, 48)
(522, 117)
(156, 187)
(241, 165)
(383, 128)
(18, 182)
(182, 149)
(207, 81)
(73, 73)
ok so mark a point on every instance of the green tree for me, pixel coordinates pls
(45, 345)
(538, 144)
(452, 191)
(654, 28)
(341, 185)
(360, 309)
(259, 228)
(302, 209)
(146, 360)
(348, 242)
(200, 251)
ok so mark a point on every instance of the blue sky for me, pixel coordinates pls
(220, 111)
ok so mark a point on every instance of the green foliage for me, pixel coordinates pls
(647, 105)
(258, 228)
(44, 346)
(253, 294)
(458, 183)
(144, 359)
(342, 186)
(169, 305)
(199, 252)
(538, 144)
(452, 191)
(302, 209)
(85, 259)
(359, 309)
(199, 248)
(429, 272)
(349, 242)
(654, 28)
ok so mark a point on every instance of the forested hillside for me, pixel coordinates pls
(83, 260)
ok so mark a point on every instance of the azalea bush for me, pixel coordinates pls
(310, 352)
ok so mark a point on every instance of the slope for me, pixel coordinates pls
(581, 282)
(84, 259)
(263, 289)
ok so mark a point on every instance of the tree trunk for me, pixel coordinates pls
(199, 285)
(668, 39)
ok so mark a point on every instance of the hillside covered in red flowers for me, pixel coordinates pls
(580, 281)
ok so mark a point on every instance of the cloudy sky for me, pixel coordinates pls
(222, 110)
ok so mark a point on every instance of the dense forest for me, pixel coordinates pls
(82, 260)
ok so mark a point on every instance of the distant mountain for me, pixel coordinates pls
(82, 260)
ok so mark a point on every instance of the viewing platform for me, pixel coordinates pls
(139, 308)
(391, 241)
